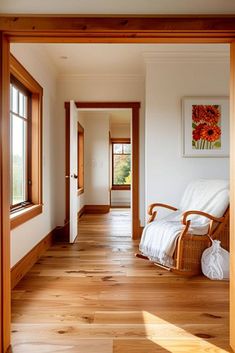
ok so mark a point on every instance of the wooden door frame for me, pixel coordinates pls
(102, 29)
(135, 107)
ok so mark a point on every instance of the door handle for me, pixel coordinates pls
(72, 176)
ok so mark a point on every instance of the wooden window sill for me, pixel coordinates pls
(121, 187)
(24, 215)
(80, 191)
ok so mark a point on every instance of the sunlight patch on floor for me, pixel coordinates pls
(178, 340)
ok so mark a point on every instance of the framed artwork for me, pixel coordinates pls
(205, 126)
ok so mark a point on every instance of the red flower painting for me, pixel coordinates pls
(206, 131)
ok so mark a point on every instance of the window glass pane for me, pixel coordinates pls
(122, 169)
(14, 96)
(25, 107)
(117, 148)
(18, 145)
(127, 148)
(21, 104)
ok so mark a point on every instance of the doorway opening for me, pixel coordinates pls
(110, 162)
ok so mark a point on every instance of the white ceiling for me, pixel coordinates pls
(114, 59)
(118, 6)
(120, 116)
(116, 116)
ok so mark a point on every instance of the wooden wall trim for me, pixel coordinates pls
(120, 140)
(61, 233)
(135, 173)
(232, 197)
(117, 27)
(134, 106)
(81, 211)
(5, 295)
(96, 209)
(25, 215)
(106, 105)
(23, 266)
(19, 71)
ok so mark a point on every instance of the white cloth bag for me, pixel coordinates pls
(215, 262)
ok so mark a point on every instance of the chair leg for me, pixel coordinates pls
(185, 273)
(140, 256)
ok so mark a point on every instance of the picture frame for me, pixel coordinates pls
(205, 122)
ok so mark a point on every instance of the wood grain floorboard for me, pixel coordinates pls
(94, 296)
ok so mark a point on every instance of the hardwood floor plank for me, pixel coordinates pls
(94, 296)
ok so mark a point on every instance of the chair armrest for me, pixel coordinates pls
(153, 205)
(153, 214)
(200, 213)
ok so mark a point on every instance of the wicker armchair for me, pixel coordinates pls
(189, 248)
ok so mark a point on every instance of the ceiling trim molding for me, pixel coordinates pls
(186, 56)
(119, 124)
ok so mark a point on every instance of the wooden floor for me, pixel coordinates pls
(95, 297)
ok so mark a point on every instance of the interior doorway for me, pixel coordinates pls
(122, 146)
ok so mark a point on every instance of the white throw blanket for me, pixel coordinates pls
(159, 237)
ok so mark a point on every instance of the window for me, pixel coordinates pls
(20, 126)
(80, 173)
(121, 164)
(25, 145)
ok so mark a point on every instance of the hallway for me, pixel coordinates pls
(95, 297)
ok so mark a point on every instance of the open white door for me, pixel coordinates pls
(73, 229)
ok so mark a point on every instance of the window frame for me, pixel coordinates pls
(80, 159)
(119, 141)
(17, 207)
(33, 207)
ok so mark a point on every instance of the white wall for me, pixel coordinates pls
(167, 172)
(118, 7)
(26, 236)
(95, 88)
(120, 130)
(121, 198)
(96, 158)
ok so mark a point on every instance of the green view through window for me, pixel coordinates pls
(121, 163)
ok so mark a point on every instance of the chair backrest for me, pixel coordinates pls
(207, 195)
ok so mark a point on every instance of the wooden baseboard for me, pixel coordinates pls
(96, 209)
(61, 233)
(81, 211)
(120, 206)
(20, 269)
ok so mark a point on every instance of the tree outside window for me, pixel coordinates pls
(121, 164)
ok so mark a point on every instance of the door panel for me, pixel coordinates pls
(73, 172)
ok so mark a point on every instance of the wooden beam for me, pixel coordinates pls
(202, 28)
(5, 299)
(102, 23)
(232, 196)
